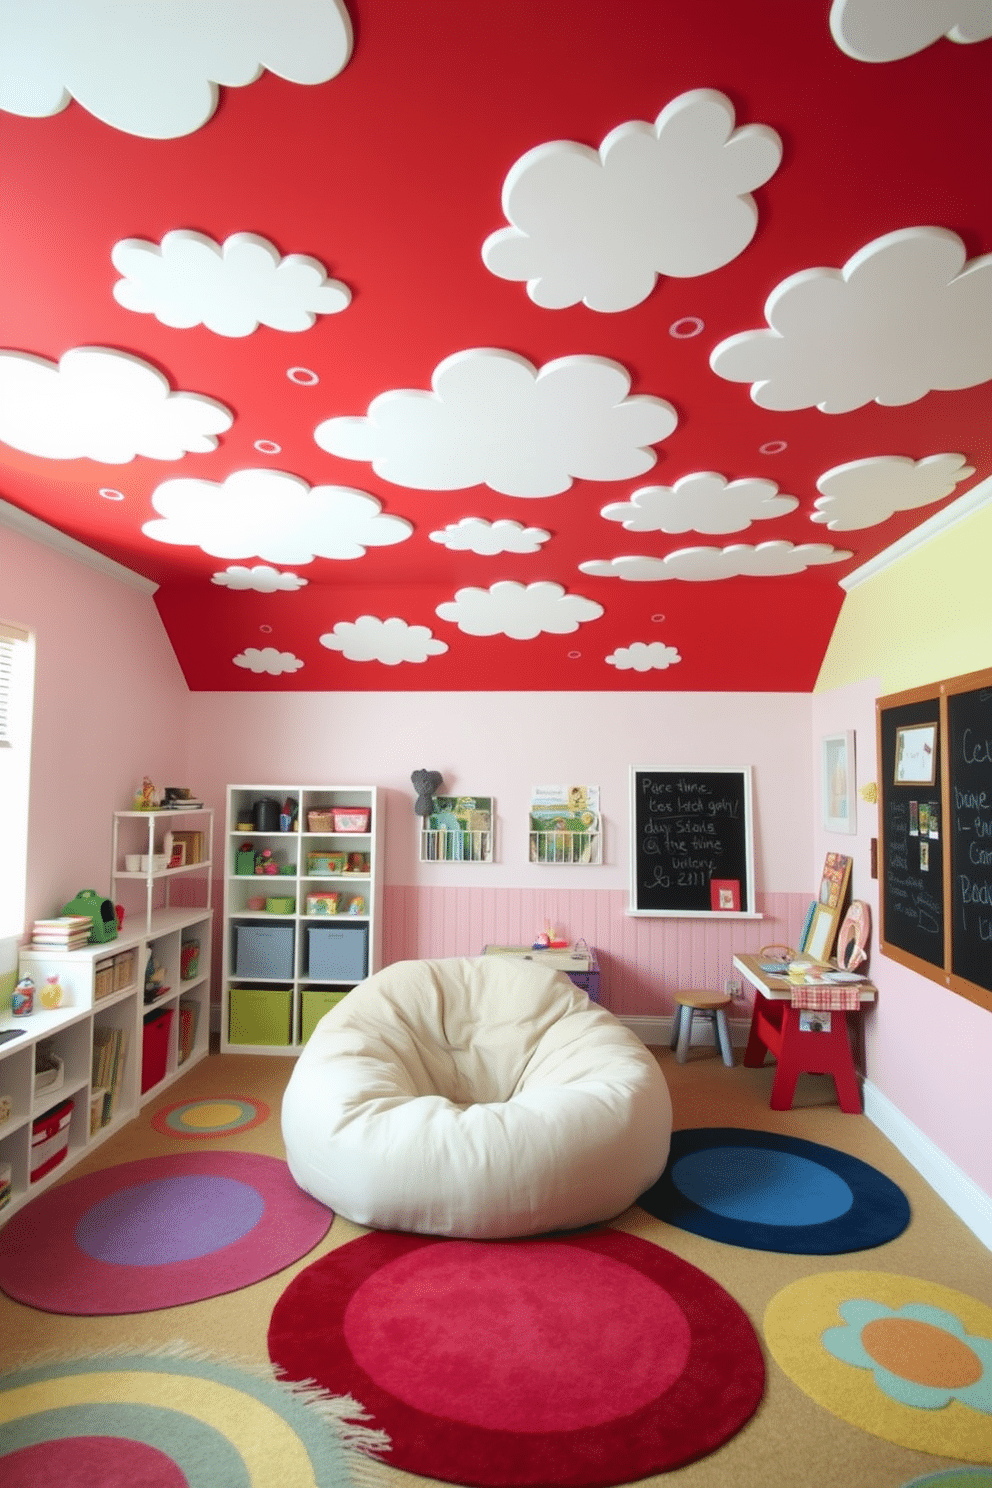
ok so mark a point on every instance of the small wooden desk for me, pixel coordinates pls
(775, 1026)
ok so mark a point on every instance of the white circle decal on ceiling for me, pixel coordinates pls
(267, 447)
(302, 376)
(773, 447)
(686, 328)
(109, 494)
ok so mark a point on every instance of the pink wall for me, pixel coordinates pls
(926, 1049)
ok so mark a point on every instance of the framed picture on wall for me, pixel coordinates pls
(916, 754)
(837, 781)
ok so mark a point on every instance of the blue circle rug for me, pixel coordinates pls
(765, 1191)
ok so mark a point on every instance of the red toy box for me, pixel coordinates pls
(155, 1048)
(50, 1139)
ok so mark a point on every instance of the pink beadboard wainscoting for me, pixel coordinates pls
(642, 958)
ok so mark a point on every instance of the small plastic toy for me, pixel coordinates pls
(22, 1001)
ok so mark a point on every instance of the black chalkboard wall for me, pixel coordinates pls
(969, 745)
(936, 840)
(691, 836)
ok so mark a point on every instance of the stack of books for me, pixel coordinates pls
(189, 1012)
(109, 1049)
(64, 933)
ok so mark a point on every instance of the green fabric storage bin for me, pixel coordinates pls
(315, 1005)
(260, 1015)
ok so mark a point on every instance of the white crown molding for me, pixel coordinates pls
(941, 521)
(51, 537)
(971, 1204)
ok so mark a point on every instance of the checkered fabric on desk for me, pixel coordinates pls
(827, 999)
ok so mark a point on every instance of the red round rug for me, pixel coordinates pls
(159, 1232)
(586, 1360)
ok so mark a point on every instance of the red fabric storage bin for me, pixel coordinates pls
(155, 1048)
(50, 1139)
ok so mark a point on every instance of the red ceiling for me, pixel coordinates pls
(391, 175)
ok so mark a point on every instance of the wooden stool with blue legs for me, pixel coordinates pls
(711, 1005)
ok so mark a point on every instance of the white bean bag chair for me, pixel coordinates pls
(482, 1098)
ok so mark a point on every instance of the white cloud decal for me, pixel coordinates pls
(262, 579)
(669, 198)
(642, 656)
(904, 316)
(231, 288)
(390, 641)
(476, 535)
(520, 611)
(271, 515)
(268, 660)
(153, 70)
(767, 560)
(881, 31)
(863, 493)
(493, 418)
(701, 502)
(102, 405)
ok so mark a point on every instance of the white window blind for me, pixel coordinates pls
(10, 638)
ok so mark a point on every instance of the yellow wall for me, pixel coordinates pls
(927, 616)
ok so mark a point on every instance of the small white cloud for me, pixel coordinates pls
(642, 656)
(905, 315)
(231, 288)
(493, 418)
(669, 198)
(268, 660)
(704, 564)
(701, 502)
(390, 641)
(102, 405)
(863, 493)
(520, 611)
(154, 70)
(261, 578)
(476, 535)
(271, 515)
(882, 31)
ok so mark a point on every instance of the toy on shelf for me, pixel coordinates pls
(22, 1001)
(146, 798)
(550, 939)
(154, 978)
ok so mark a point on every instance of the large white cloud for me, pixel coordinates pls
(701, 502)
(390, 641)
(644, 656)
(267, 659)
(231, 288)
(767, 560)
(520, 611)
(476, 535)
(273, 515)
(668, 198)
(905, 315)
(494, 418)
(104, 405)
(153, 69)
(863, 493)
(261, 578)
(885, 30)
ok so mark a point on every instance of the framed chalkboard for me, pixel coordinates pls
(935, 820)
(691, 842)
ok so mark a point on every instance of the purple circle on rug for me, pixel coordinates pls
(81, 1461)
(170, 1219)
(265, 1224)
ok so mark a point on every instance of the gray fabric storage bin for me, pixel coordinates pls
(264, 951)
(338, 953)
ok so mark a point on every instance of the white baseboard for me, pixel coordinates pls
(959, 1192)
(658, 1031)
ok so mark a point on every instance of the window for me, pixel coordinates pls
(16, 696)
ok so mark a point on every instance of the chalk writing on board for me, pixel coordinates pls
(690, 831)
(971, 804)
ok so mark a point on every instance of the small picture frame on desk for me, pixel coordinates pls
(837, 781)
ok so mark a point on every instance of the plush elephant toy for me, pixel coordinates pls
(425, 783)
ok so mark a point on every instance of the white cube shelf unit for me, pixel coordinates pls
(298, 938)
(103, 1003)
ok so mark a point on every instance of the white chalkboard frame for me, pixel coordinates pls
(741, 774)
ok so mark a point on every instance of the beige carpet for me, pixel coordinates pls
(790, 1443)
